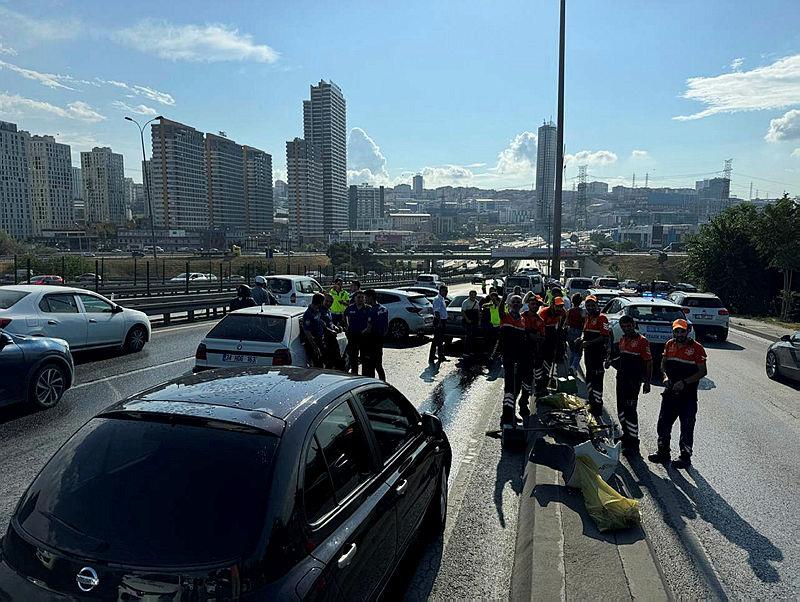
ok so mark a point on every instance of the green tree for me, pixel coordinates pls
(777, 234)
(723, 258)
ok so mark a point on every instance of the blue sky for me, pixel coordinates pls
(455, 90)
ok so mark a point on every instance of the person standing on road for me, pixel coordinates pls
(517, 291)
(355, 288)
(261, 294)
(634, 365)
(314, 331)
(516, 361)
(471, 317)
(357, 318)
(490, 318)
(574, 332)
(439, 322)
(535, 331)
(332, 356)
(552, 316)
(243, 298)
(375, 336)
(683, 364)
(595, 344)
(341, 299)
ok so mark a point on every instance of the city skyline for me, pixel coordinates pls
(667, 105)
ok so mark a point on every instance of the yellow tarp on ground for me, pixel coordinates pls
(609, 509)
(563, 401)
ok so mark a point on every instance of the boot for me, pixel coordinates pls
(660, 457)
(682, 462)
(508, 418)
(524, 409)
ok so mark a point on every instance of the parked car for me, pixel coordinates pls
(36, 370)
(193, 277)
(653, 319)
(46, 279)
(783, 358)
(137, 253)
(82, 318)
(88, 254)
(657, 288)
(89, 277)
(293, 290)
(527, 282)
(454, 327)
(606, 282)
(428, 281)
(257, 336)
(630, 285)
(706, 311)
(477, 278)
(686, 287)
(604, 295)
(346, 276)
(290, 483)
(409, 312)
(605, 252)
(578, 285)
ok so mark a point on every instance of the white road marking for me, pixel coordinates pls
(129, 372)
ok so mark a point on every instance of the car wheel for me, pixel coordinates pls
(773, 369)
(47, 386)
(398, 330)
(437, 510)
(723, 335)
(137, 337)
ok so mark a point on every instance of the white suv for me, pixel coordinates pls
(706, 311)
(653, 318)
(293, 290)
(409, 313)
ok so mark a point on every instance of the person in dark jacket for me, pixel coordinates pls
(243, 298)
(375, 336)
(314, 331)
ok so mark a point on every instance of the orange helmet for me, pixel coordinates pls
(591, 298)
(679, 323)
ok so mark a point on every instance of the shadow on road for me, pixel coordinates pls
(411, 342)
(725, 345)
(509, 471)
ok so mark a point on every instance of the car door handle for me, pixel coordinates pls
(52, 322)
(346, 558)
(401, 487)
(92, 320)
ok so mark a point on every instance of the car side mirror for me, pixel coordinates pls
(431, 425)
(786, 337)
(116, 310)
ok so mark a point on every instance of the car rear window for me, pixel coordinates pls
(420, 300)
(702, 302)
(146, 493)
(280, 286)
(520, 281)
(608, 282)
(424, 278)
(9, 298)
(580, 283)
(250, 327)
(655, 313)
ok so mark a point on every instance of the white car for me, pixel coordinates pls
(257, 336)
(409, 312)
(83, 318)
(653, 317)
(193, 277)
(706, 311)
(428, 281)
(580, 285)
(293, 290)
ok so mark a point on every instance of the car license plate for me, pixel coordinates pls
(703, 316)
(239, 358)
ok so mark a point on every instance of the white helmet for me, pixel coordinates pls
(261, 280)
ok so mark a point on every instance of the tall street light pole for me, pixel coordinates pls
(147, 184)
(555, 268)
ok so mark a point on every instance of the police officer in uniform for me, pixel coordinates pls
(595, 344)
(332, 356)
(357, 318)
(314, 330)
(375, 335)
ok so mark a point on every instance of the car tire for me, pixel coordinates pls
(722, 336)
(773, 367)
(47, 386)
(436, 518)
(398, 330)
(135, 340)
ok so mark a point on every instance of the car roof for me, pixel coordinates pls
(605, 291)
(401, 292)
(287, 311)
(288, 277)
(647, 300)
(252, 396)
(44, 288)
(698, 294)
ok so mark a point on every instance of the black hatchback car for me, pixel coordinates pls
(276, 484)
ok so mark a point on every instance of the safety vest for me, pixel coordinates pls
(494, 314)
(340, 301)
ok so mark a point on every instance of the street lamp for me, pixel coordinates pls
(147, 184)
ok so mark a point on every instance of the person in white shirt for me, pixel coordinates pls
(470, 318)
(439, 322)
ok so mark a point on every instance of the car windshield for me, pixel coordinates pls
(146, 493)
(182, 276)
(655, 313)
(457, 301)
(263, 328)
(580, 283)
(712, 302)
(279, 286)
(424, 278)
(523, 282)
(608, 282)
(9, 298)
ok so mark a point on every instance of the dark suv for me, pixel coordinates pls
(248, 484)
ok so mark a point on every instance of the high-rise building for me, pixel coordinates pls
(545, 172)
(103, 186)
(78, 206)
(325, 126)
(138, 201)
(280, 195)
(305, 194)
(15, 192)
(596, 188)
(258, 200)
(367, 204)
(418, 186)
(713, 196)
(50, 165)
(178, 185)
(225, 174)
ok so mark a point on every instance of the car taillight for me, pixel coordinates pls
(723, 312)
(201, 354)
(686, 310)
(414, 309)
(4, 322)
(282, 357)
(293, 298)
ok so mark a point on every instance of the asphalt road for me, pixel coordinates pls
(727, 527)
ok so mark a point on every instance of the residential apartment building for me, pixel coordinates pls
(305, 194)
(418, 186)
(258, 201)
(325, 126)
(78, 207)
(50, 176)
(225, 183)
(366, 206)
(545, 172)
(280, 196)
(103, 174)
(15, 193)
(178, 183)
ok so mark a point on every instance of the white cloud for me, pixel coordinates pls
(784, 128)
(640, 154)
(585, 157)
(519, 156)
(476, 165)
(447, 175)
(46, 30)
(365, 161)
(138, 109)
(773, 86)
(50, 80)
(149, 93)
(736, 64)
(7, 50)
(201, 43)
(796, 153)
(19, 105)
